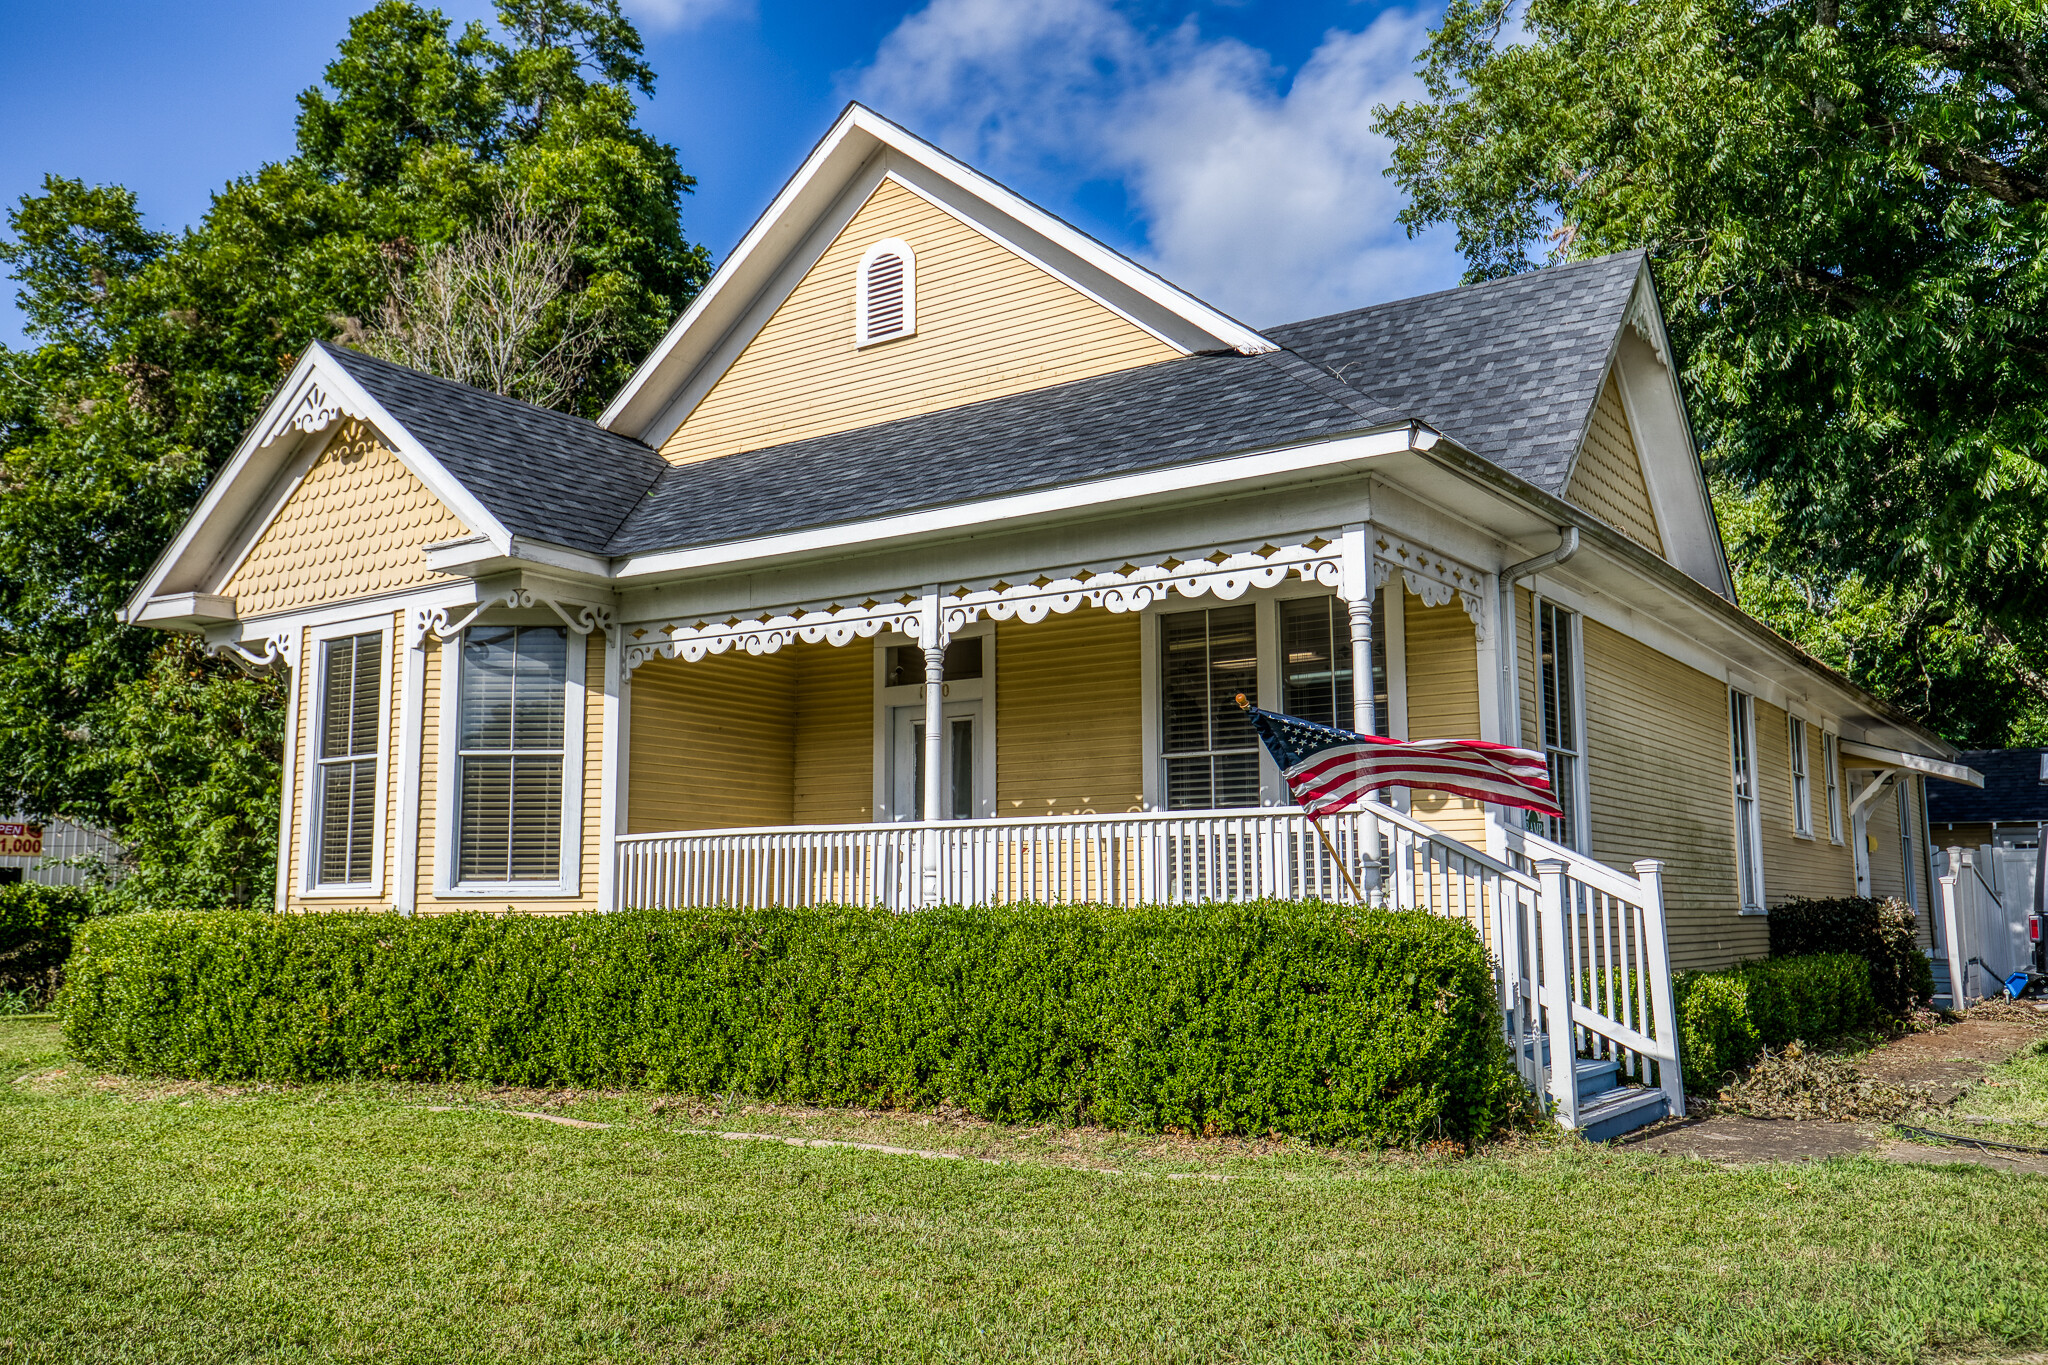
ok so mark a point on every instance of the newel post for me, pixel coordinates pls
(1556, 992)
(1951, 891)
(1657, 962)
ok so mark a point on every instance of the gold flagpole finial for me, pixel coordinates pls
(1242, 704)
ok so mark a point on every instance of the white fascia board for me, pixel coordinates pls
(1872, 756)
(240, 486)
(1645, 315)
(1266, 466)
(184, 609)
(857, 138)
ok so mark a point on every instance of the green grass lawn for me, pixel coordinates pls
(159, 1221)
(2013, 1096)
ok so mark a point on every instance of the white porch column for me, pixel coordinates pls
(932, 637)
(1358, 596)
(611, 805)
(411, 722)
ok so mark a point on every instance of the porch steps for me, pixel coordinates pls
(1944, 992)
(1607, 1108)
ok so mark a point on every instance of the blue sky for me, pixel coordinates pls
(1224, 144)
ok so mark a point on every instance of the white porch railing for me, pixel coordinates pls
(1984, 932)
(1609, 994)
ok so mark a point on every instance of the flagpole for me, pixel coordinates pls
(1317, 825)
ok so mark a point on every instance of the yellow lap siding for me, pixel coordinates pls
(989, 323)
(835, 733)
(1795, 866)
(356, 525)
(1608, 479)
(1660, 783)
(712, 743)
(1443, 703)
(1069, 715)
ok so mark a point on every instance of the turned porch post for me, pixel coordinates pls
(1358, 597)
(932, 637)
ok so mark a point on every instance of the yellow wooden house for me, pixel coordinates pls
(921, 560)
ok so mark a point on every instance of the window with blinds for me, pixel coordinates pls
(510, 751)
(345, 817)
(1748, 832)
(1315, 661)
(1557, 645)
(886, 302)
(1211, 750)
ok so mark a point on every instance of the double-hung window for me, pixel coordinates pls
(1557, 639)
(1748, 835)
(1904, 786)
(1831, 761)
(1210, 750)
(510, 754)
(1802, 784)
(345, 761)
(1315, 662)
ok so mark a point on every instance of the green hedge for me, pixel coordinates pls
(36, 925)
(1884, 933)
(1725, 1018)
(1306, 1020)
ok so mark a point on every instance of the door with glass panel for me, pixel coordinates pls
(959, 762)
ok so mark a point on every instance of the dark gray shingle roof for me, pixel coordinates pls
(1509, 369)
(1193, 408)
(544, 474)
(2012, 789)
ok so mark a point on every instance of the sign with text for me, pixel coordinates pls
(18, 840)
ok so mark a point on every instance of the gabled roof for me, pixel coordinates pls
(546, 475)
(859, 149)
(1509, 369)
(2012, 789)
(1173, 412)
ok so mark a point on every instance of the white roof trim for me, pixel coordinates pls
(1874, 756)
(853, 142)
(317, 393)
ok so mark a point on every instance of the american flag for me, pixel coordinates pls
(1330, 770)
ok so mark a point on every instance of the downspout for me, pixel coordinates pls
(1510, 652)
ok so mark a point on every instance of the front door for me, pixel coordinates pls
(961, 782)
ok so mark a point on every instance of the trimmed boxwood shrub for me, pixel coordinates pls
(1725, 1018)
(1885, 933)
(1307, 1020)
(36, 924)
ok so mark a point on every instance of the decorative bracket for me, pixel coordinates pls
(1642, 315)
(280, 646)
(318, 403)
(1434, 578)
(581, 617)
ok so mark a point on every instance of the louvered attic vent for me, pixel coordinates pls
(886, 306)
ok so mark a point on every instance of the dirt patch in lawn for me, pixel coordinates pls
(1933, 1068)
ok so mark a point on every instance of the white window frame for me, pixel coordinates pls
(1749, 851)
(1581, 786)
(314, 664)
(1266, 602)
(896, 246)
(1802, 778)
(575, 722)
(1831, 760)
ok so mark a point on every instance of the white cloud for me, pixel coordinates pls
(674, 14)
(1261, 194)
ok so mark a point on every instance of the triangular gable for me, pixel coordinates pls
(1608, 477)
(357, 523)
(989, 323)
(184, 589)
(1653, 411)
(806, 219)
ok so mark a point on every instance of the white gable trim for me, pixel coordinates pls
(246, 495)
(852, 146)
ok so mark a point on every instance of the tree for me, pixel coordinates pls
(1846, 207)
(498, 308)
(154, 352)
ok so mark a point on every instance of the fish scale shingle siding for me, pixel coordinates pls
(356, 526)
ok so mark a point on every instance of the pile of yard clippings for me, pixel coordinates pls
(1800, 1084)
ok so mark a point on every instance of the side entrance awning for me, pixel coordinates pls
(1859, 755)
